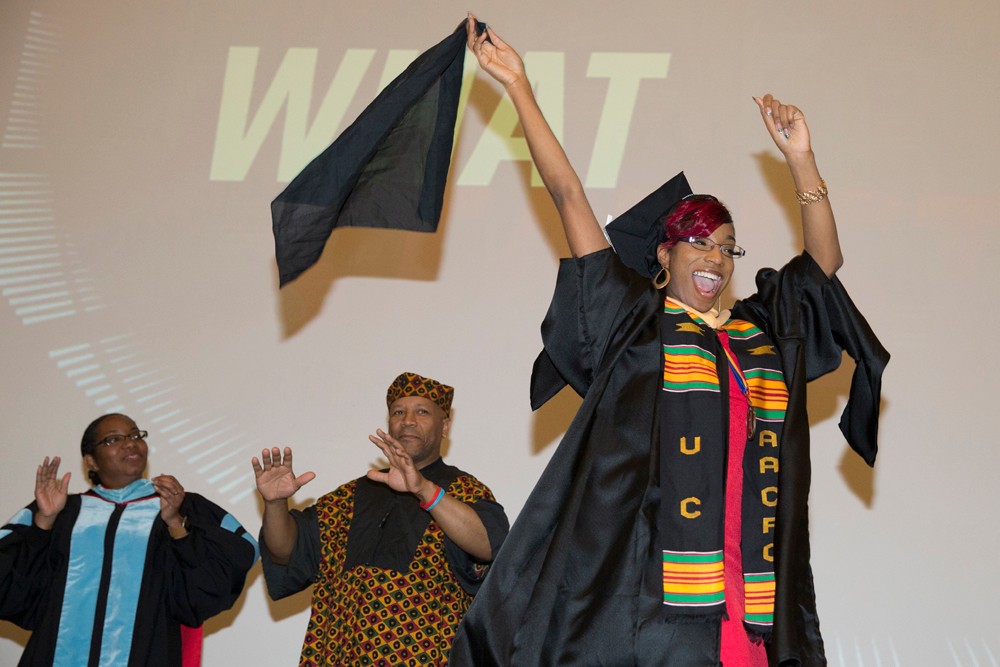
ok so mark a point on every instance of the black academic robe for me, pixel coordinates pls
(108, 585)
(579, 578)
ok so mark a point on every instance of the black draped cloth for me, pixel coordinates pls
(579, 579)
(388, 169)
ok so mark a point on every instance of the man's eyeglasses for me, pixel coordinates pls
(117, 438)
(730, 250)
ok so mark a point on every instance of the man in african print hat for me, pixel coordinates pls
(395, 556)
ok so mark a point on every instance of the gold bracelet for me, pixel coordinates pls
(812, 196)
(180, 531)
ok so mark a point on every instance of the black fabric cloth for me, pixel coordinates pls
(388, 169)
(185, 581)
(579, 579)
(384, 532)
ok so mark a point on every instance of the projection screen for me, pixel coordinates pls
(142, 143)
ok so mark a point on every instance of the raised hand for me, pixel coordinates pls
(458, 520)
(786, 124)
(495, 56)
(402, 474)
(275, 478)
(583, 233)
(171, 496)
(50, 492)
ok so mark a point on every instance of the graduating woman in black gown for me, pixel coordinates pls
(670, 526)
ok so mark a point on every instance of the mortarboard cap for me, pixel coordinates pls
(636, 233)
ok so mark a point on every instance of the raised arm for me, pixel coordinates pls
(499, 60)
(787, 126)
(458, 520)
(276, 483)
(51, 492)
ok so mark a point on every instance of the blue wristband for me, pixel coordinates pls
(437, 498)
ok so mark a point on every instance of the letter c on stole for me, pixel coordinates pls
(688, 513)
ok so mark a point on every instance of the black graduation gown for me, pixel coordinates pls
(578, 580)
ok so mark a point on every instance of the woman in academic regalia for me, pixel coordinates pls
(124, 573)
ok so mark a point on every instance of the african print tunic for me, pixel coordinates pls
(371, 607)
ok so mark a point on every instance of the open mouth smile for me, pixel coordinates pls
(707, 282)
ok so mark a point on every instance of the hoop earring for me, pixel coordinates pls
(662, 278)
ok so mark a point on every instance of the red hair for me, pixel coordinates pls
(695, 215)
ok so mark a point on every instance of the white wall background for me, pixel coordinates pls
(137, 274)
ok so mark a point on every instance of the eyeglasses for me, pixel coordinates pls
(730, 250)
(117, 439)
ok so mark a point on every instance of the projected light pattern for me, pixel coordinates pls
(46, 282)
(114, 375)
(883, 652)
(41, 274)
(873, 652)
(41, 45)
(974, 653)
(82, 367)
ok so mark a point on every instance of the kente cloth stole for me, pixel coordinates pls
(694, 436)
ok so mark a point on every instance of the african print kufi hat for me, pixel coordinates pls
(411, 384)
